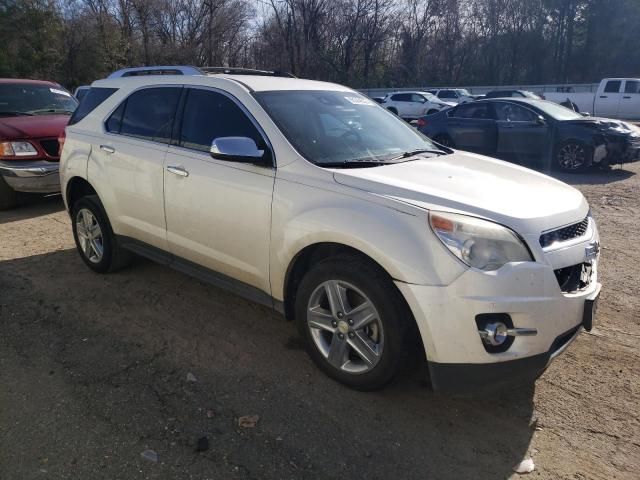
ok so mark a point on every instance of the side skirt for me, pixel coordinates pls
(201, 273)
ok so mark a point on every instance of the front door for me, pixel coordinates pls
(630, 103)
(521, 135)
(218, 212)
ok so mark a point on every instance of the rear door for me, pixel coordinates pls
(521, 136)
(473, 128)
(127, 163)
(218, 212)
(608, 100)
(630, 103)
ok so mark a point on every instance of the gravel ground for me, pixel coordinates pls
(94, 370)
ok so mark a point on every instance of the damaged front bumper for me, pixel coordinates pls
(611, 149)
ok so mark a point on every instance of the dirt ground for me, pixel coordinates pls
(94, 370)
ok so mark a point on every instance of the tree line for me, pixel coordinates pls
(361, 43)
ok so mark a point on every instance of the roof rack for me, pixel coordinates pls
(246, 71)
(156, 70)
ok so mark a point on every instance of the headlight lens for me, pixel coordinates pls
(17, 149)
(478, 243)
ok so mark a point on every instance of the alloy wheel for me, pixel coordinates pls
(345, 327)
(571, 156)
(90, 236)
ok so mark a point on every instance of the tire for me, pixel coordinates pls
(444, 140)
(332, 337)
(393, 110)
(572, 156)
(8, 196)
(95, 241)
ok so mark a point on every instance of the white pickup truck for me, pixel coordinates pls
(614, 98)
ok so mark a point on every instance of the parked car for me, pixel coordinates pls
(454, 95)
(614, 98)
(512, 93)
(529, 131)
(81, 91)
(413, 105)
(314, 200)
(33, 115)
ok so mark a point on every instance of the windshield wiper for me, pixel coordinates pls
(413, 153)
(15, 113)
(50, 110)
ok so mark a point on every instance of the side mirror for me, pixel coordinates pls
(540, 120)
(236, 149)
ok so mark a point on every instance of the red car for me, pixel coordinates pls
(33, 115)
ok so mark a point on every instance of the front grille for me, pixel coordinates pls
(564, 234)
(574, 278)
(50, 146)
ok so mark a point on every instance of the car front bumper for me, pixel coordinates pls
(528, 292)
(36, 176)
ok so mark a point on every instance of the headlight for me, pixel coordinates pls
(478, 243)
(17, 149)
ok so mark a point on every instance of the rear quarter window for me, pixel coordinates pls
(91, 100)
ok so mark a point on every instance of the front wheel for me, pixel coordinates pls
(353, 322)
(572, 156)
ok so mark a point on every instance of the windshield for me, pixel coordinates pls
(329, 127)
(463, 91)
(556, 111)
(33, 99)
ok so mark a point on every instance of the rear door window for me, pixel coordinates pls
(401, 97)
(447, 94)
(147, 114)
(612, 86)
(632, 86)
(510, 112)
(89, 102)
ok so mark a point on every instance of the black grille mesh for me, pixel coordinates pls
(50, 147)
(565, 233)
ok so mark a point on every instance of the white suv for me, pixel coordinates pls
(413, 105)
(313, 199)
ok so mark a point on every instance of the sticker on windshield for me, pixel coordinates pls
(359, 101)
(59, 92)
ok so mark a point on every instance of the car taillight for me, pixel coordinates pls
(61, 140)
(421, 122)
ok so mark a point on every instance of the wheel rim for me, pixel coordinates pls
(90, 236)
(345, 327)
(571, 156)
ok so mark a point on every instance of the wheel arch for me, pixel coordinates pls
(77, 187)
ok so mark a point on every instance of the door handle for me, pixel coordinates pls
(604, 96)
(181, 172)
(627, 96)
(107, 148)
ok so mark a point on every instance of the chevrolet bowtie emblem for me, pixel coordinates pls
(592, 251)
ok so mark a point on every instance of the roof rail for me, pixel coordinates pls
(156, 70)
(246, 71)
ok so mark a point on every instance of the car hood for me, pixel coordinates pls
(37, 126)
(522, 199)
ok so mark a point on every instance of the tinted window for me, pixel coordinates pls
(209, 115)
(401, 97)
(148, 114)
(417, 98)
(81, 93)
(510, 112)
(447, 94)
(498, 94)
(473, 110)
(613, 86)
(632, 86)
(90, 101)
(115, 120)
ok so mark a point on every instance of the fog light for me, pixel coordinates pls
(494, 334)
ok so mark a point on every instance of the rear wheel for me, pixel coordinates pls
(8, 196)
(353, 321)
(444, 140)
(94, 237)
(573, 156)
